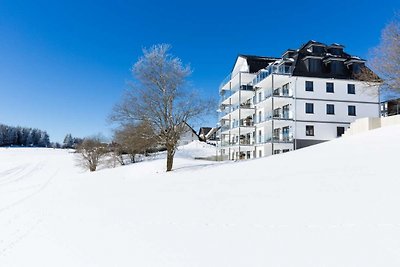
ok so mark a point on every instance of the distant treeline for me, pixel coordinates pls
(22, 136)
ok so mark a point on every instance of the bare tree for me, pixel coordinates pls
(385, 60)
(160, 97)
(135, 139)
(117, 154)
(92, 150)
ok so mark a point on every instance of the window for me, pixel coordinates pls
(285, 111)
(352, 110)
(356, 68)
(259, 136)
(335, 51)
(330, 109)
(309, 86)
(259, 97)
(259, 117)
(309, 130)
(309, 108)
(314, 65)
(259, 153)
(329, 88)
(337, 67)
(277, 134)
(340, 131)
(318, 49)
(285, 89)
(351, 89)
(285, 133)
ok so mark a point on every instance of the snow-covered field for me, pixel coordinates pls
(334, 204)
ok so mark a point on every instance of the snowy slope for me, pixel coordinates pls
(333, 204)
(196, 149)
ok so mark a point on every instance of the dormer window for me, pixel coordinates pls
(335, 51)
(355, 64)
(337, 67)
(316, 49)
(334, 64)
(314, 65)
(356, 68)
(288, 54)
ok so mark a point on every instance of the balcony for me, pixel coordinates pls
(272, 69)
(275, 139)
(225, 110)
(224, 95)
(283, 116)
(225, 128)
(247, 87)
(286, 115)
(234, 82)
(286, 92)
(246, 105)
(243, 123)
(283, 91)
(243, 142)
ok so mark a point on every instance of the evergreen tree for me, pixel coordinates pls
(44, 140)
(68, 141)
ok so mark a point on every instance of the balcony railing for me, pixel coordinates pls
(279, 92)
(247, 87)
(283, 116)
(243, 123)
(225, 95)
(284, 92)
(242, 142)
(276, 139)
(272, 69)
(246, 105)
(278, 116)
(225, 128)
(243, 105)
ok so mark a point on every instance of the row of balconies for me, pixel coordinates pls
(226, 108)
(283, 138)
(278, 114)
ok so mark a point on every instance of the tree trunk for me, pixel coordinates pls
(170, 157)
(92, 168)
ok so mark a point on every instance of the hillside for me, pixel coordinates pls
(333, 204)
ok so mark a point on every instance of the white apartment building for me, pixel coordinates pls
(275, 105)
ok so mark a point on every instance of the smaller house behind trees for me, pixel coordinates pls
(188, 136)
(390, 107)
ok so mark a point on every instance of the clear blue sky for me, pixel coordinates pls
(64, 64)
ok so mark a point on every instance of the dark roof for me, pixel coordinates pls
(257, 63)
(323, 57)
(204, 130)
(190, 128)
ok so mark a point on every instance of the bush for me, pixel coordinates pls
(92, 150)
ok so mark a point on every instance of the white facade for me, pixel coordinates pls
(264, 113)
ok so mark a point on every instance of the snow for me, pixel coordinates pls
(333, 204)
(196, 149)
